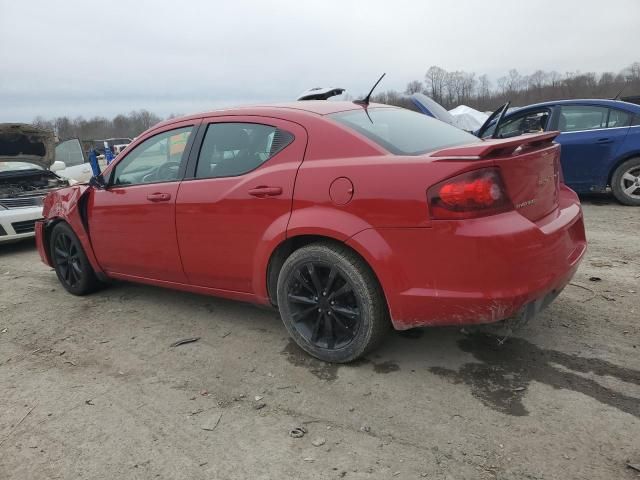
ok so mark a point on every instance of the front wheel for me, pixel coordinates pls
(70, 262)
(331, 303)
(625, 182)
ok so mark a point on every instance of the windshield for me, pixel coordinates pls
(17, 166)
(403, 132)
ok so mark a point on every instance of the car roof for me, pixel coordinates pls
(313, 107)
(587, 101)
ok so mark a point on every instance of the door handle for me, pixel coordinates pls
(264, 191)
(604, 140)
(159, 197)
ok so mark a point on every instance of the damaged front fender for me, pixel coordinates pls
(68, 205)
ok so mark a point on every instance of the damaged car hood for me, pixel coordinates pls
(20, 142)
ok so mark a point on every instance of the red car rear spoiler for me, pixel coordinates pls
(498, 146)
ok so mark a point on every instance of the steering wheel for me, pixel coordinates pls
(168, 171)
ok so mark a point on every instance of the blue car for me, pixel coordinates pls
(600, 142)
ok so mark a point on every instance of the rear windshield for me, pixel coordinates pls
(403, 132)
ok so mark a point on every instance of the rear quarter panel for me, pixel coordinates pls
(388, 190)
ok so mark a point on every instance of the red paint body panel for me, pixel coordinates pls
(63, 205)
(133, 235)
(220, 225)
(42, 250)
(474, 271)
(492, 146)
(215, 238)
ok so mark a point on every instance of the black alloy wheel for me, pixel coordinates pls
(331, 302)
(323, 306)
(65, 252)
(70, 262)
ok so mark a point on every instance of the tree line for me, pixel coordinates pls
(451, 89)
(98, 128)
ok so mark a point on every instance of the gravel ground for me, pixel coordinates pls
(90, 387)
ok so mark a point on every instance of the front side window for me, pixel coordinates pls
(403, 132)
(575, 118)
(530, 122)
(232, 149)
(157, 159)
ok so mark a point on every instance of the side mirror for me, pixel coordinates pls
(97, 181)
(57, 166)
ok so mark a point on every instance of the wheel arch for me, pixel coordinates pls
(285, 248)
(46, 235)
(619, 161)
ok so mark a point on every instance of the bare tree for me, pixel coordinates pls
(414, 86)
(514, 81)
(435, 80)
(537, 79)
(484, 86)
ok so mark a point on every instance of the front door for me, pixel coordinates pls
(239, 196)
(132, 221)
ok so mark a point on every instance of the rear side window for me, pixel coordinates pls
(232, 149)
(403, 132)
(636, 121)
(618, 118)
(574, 118)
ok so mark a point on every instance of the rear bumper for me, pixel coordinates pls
(475, 271)
(17, 223)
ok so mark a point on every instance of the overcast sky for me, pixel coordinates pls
(102, 58)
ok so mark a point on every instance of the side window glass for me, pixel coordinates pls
(530, 122)
(574, 118)
(618, 118)
(636, 121)
(232, 149)
(70, 152)
(157, 159)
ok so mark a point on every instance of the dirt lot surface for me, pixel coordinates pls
(90, 387)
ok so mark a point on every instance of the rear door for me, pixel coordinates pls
(237, 195)
(589, 142)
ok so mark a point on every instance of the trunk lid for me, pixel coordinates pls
(20, 142)
(529, 165)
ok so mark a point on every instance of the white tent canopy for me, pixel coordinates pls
(468, 118)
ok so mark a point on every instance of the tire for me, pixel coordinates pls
(77, 277)
(346, 323)
(623, 178)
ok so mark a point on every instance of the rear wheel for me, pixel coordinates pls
(70, 262)
(625, 182)
(331, 303)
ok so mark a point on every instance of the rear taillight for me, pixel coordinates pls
(469, 195)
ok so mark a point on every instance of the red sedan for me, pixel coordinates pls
(346, 217)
